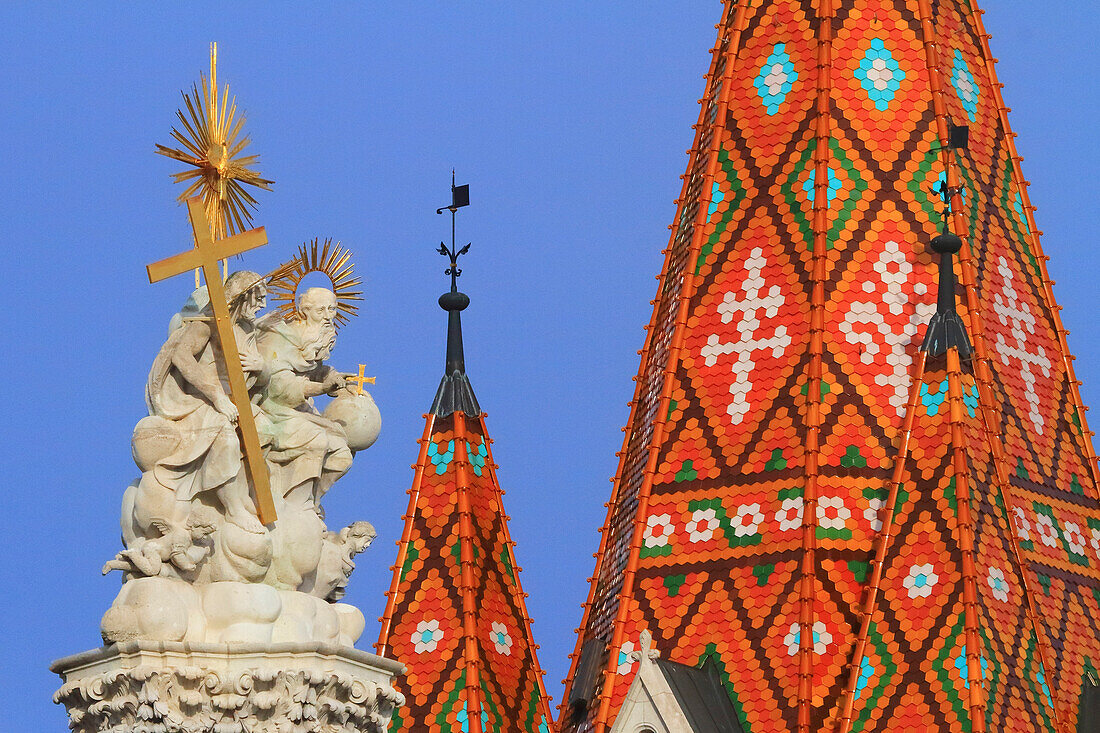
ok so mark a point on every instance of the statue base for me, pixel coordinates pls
(179, 687)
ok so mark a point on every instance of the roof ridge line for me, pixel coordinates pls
(470, 657)
(974, 314)
(639, 386)
(962, 492)
(882, 542)
(965, 540)
(686, 290)
(517, 591)
(406, 535)
(815, 347)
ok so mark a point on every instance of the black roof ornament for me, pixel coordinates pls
(455, 392)
(946, 329)
(958, 138)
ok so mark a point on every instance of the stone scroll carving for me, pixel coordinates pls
(197, 565)
(172, 689)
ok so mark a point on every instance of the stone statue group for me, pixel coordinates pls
(198, 565)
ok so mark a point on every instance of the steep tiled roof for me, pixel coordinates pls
(782, 400)
(455, 615)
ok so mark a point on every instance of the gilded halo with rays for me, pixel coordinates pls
(212, 143)
(333, 261)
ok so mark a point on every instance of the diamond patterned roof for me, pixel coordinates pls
(455, 613)
(862, 538)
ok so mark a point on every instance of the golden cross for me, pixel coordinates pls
(360, 379)
(205, 256)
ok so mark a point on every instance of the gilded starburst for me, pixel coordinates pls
(212, 144)
(332, 260)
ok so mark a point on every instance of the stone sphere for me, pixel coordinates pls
(359, 417)
(155, 438)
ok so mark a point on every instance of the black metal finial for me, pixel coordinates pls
(455, 392)
(946, 329)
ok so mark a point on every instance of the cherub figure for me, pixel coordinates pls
(330, 580)
(183, 547)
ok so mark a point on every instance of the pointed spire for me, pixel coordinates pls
(456, 614)
(455, 391)
(770, 424)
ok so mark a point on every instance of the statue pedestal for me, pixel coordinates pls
(172, 687)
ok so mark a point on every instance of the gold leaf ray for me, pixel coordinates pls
(211, 140)
(316, 256)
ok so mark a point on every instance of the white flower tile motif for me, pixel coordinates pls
(789, 515)
(920, 580)
(1048, 533)
(1095, 541)
(427, 636)
(864, 323)
(873, 513)
(776, 78)
(658, 529)
(702, 525)
(502, 640)
(831, 513)
(747, 520)
(997, 582)
(965, 85)
(1023, 527)
(746, 308)
(1074, 537)
(879, 74)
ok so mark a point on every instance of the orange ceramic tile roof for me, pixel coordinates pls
(781, 396)
(455, 615)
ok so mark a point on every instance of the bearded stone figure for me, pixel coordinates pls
(198, 566)
(308, 452)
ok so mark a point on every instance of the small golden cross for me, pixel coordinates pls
(205, 256)
(360, 379)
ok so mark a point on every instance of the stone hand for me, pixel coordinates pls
(225, 406)
(251, 362)
(334, 382)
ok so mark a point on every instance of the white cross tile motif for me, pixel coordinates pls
(1017, 316)
(884, 334)
(748, 310)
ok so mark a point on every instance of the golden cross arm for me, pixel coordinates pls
(359, 379)
(206, 254)
(192, 259)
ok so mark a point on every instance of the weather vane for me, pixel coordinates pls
(212, 143)
(958, 138)
(460, 196)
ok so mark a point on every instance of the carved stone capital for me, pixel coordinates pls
(174, 687)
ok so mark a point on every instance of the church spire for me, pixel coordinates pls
(786, 434)
(455, 612)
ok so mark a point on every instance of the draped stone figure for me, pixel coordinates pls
(187, 448)
(197, 563)
(308, 451)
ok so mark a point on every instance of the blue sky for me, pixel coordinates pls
(570, 122)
